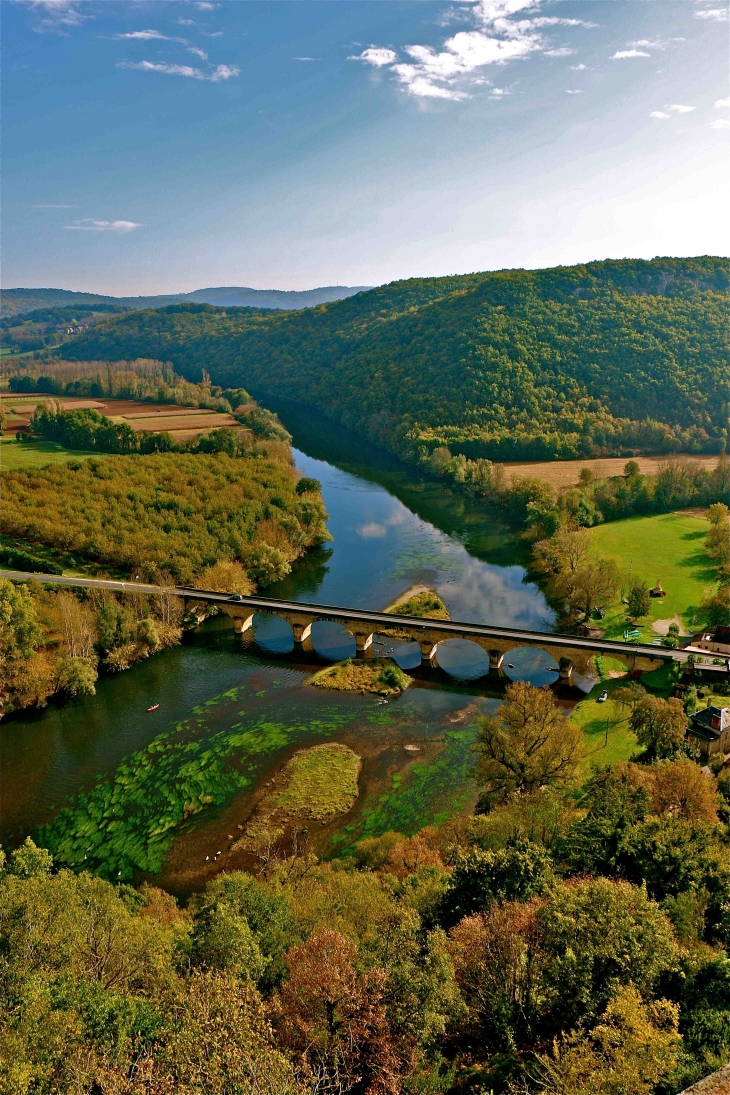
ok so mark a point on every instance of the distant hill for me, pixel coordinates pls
(605, 358)
(19, 301)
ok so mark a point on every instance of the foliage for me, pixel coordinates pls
(527, 744)
(427, 604)
(660, 725)
(321, 781)
(519, 364)
(639, 601)
(175, 512)
(379, 675)
(628, 1052)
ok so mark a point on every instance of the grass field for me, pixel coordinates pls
(36, 454)
(668, 547)
(596, 719)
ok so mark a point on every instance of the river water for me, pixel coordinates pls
(248, 702)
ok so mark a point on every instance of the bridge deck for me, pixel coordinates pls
(378, 620)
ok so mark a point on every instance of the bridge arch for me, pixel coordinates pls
(462, 659)
(273, 633)
(332, 640)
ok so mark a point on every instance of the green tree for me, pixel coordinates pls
(528, 743)
(660, 725)
(479, 879)
(20, 632)
(639, 601)
(77, 676)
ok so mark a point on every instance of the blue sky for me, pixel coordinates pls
(167, 146)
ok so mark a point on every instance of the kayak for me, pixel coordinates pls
(153, 707)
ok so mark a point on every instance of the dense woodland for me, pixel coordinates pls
(610, 357)
(558, 941)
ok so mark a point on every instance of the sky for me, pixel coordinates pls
(166, 146)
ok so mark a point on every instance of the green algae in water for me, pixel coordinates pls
(126, 823)
(428, 793)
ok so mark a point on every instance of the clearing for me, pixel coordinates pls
(668, 547)
(37, 454)
(605, 727)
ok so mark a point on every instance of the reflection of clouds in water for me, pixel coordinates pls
(398, 517)
(372, 531)
(494, 595)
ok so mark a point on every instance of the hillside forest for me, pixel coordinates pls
(609, 358)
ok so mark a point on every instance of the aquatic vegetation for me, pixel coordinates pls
(126, 823)
(427, 793)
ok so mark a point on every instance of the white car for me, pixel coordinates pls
(603, 696)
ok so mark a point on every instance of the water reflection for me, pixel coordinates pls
(526, 663)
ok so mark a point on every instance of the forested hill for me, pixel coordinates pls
(612, 356)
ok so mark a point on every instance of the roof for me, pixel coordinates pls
(701, 721)
(722, 634)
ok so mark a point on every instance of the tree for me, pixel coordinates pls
(77, 676)
(629, 695)
(593, 584)
(718, 513)
(595, 935)
(526, 744)
(660, 725)
(227, 577)
(639, 601)
(628, 1052)
(480, 879)
(20, 633)
(672, 637)
(332, 1018)
(715, 607)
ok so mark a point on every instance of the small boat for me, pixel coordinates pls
(153, 707)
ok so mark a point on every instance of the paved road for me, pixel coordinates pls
(375, 619)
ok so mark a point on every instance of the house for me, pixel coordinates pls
(709, 730)
(715, 642)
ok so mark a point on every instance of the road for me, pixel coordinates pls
(378, 620)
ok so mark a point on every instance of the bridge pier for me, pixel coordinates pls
(565, 671)
(242, 624)
(428, 652)
(363, 642)
(496, 658)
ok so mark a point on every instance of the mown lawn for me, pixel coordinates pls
(37, 454)
(605, 728)
(668, 547)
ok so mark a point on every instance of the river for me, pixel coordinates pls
(237, 711)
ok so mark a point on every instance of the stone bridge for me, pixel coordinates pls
(573, 653)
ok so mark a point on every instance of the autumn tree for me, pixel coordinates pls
(630, 1050)
(526, 744)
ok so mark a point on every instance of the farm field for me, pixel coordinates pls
(668, 547)
(564, 473)
(182, 422)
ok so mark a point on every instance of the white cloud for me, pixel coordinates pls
(449, 72)
(222, 72)
(498, 93)
(186, 22)
(623, 53)
(372, 531)
(647, 43)
(89, 225)
(716, 15)
(659, 114)
(572, 91)
(721, 104)
(578, 68)
(56, 14)
(198, 52)
(306, 58)
(376, 56)
(202, 5)
(721, 123)
(680, 108)
(148, 36)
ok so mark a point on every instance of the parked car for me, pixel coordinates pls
(603, 696)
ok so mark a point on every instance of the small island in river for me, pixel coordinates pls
(379, 675)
